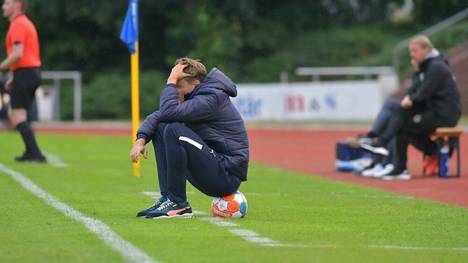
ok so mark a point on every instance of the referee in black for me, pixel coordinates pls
(22, 45)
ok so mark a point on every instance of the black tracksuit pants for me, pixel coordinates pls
(411, 126)
(182, 155)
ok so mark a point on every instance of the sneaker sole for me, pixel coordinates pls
(187, 215)
(392, 178)
(141, 216)
(381, 174)
(372, 174)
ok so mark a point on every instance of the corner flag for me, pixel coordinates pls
(129, 36)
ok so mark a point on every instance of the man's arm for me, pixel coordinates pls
(144, 135)
(14, 57)
(148, 128)
(198, 108)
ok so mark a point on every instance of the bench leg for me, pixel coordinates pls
(457, 148)
(440, 143)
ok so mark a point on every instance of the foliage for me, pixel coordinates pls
(84, 34)
(108, 96)
(430, 12)
(251, 40)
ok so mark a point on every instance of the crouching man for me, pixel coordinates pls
(198, 135)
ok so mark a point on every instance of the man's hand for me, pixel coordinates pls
(177, 73)
(8, 84)
(137, 149)
(406, 102)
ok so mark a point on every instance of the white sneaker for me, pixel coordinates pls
(386, 170)
(371, 171)
(396, 175)
(375, 149)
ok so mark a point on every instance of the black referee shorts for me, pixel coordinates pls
(25, 83)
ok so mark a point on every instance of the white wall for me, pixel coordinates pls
(352, 100)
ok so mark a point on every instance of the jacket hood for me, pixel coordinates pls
(218, 80)
(434, 54)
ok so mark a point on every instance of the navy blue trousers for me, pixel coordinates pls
(182, 155)
(390, 108)
(386, 112)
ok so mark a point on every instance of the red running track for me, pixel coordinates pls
(313, 152)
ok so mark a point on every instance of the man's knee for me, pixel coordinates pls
(391, 104)
(172, 130)
(18, 116)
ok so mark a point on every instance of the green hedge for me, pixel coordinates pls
(108, 96)
(356, 46)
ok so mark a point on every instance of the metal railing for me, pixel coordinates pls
(57, 76)
(428, 32)
(316, 72)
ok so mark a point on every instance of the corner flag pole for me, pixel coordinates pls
(129, 36)
(135, 75)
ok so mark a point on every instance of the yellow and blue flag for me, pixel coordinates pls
(129, 32)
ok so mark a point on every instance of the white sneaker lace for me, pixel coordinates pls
(166, 204)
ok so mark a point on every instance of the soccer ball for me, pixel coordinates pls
(231, 206)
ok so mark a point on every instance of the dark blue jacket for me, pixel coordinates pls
(208, 111)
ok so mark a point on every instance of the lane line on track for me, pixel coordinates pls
(112, 239)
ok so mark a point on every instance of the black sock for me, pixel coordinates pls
(29, 140)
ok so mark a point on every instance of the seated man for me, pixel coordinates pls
(433, 101)
(383, 158)
(199, 137)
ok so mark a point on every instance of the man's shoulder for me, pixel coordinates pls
(207, 89)
(22, 21)
(437, 65)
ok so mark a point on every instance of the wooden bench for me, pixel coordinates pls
(447, 136)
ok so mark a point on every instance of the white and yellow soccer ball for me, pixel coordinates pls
(230, 206)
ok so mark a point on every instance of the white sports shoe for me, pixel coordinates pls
(375, 149)
(371, 171)
(386, 170)
(396, 175)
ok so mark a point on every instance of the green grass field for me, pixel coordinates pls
(315, 220)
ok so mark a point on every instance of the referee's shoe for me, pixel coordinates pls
(31, 158)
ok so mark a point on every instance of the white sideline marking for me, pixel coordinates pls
(417, 248)
(192, 142)
(55, 160)
(112, 239)
(216, 220)
(245, 234)
(255, 238)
